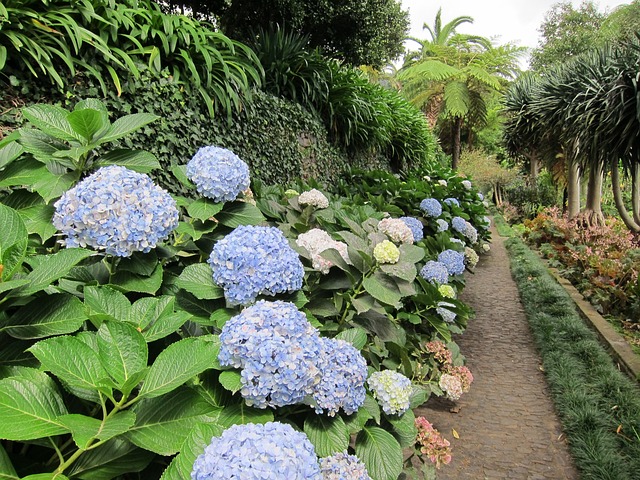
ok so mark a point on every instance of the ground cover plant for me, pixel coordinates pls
(598, 405)
(147, 332)
(602, 262)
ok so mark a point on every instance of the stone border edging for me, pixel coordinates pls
(626, 358)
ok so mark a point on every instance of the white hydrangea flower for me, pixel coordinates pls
(442, 183)
(316, 241)
(313, 197)
(471, 256)
(486, 247)
(466, 184)
(396, 229)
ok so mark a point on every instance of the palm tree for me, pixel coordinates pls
(453, 81)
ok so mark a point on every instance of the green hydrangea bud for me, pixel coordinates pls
(291, 193)
(447, 291)
(386, 252)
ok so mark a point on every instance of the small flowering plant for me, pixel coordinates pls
(254, 260)
(218, 173)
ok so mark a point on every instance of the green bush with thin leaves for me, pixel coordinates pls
(109, 41)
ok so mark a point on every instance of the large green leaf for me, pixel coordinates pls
(122, 350)
(26, 172)
(163, 423)
(380, 452)
(9, 152)
(199, 437)
(328, 435)
(7, 472)
(52, 120)
(231, 380)
(73, 362)
(86, 122)
(197, 279)
(30, 408)
(403, 270)
(240, 213)
(84, 429)
(46, 316)
(37, 219)
(386, 292)
(128, 124)
(240, 414)
(106, 303)
(204, 209)
(106, 462)
(178, 363)
(50, 268)
(355, 336)
(131, 282)
(46, 476)
(138, 160)
(54, 185)
(13, 241)
(404, 428)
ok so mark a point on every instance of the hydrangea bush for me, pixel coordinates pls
(115, 210)
(218, 173)
(272, 451)
(203, 350)
(342, 466)
(254, 260)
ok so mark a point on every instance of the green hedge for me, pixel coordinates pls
(279, 139)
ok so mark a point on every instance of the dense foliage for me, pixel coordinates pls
(144, 302)
(368, 32)
(567, 32)
(49, 37)
(603, 262)
(277, 138)
(598, 405)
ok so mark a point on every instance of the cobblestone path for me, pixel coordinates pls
(507, 425)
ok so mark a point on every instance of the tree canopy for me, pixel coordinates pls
(566, 32)
(367, 32)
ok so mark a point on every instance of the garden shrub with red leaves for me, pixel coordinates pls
(602, 262)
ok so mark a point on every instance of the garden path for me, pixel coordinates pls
(507, 425)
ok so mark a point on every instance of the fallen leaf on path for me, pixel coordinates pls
(455, 409)
(455, 434)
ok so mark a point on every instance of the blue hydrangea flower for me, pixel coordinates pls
(443, 226)
(459, 224)
(253, 261)
(435, 272)
(446, 314)
(278, 351)
(456, 240)
(342, 466)
(452, 201)
(218, 173)
(480, 196)
(392, 390)
(431, 207)
(344, 372)
(454, 261)
(273, 451)
(471, 233)
(116, 210)
(416, 227)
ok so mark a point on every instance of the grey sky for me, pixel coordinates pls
(515, 21)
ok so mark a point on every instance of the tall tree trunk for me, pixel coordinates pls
(534, 168)
(573, 190)
(456, 129)
(617, 197)
(635, 192)
(592, 213)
